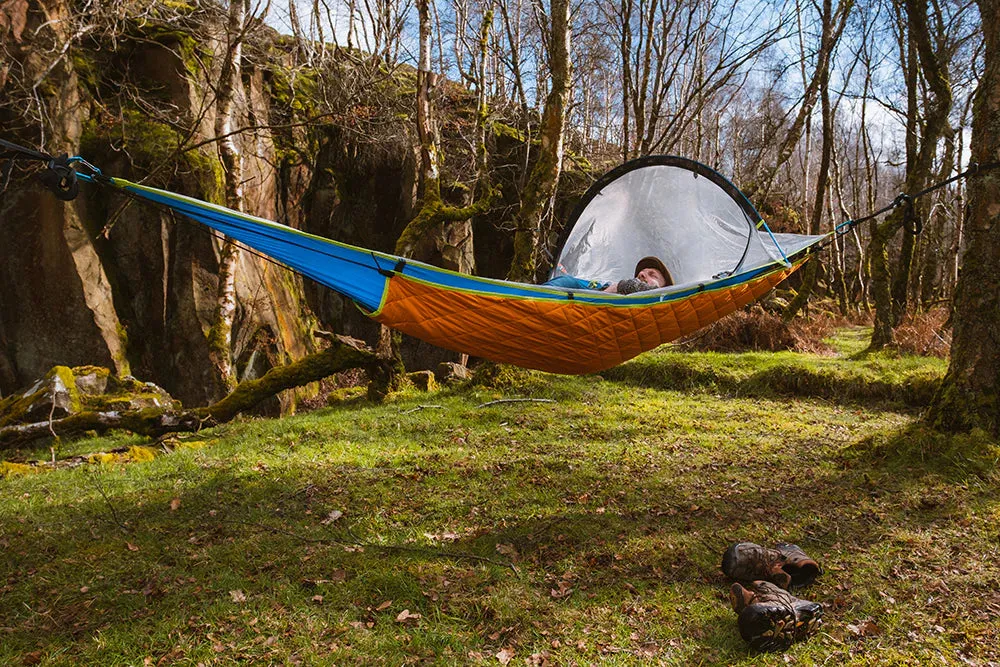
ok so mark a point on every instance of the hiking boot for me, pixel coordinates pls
(802, 569)
(786, 565)
(772, 619)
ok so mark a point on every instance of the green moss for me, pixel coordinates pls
(503, 377)
(346, 395)
(133, 454)
(99, 371)
(14, 407)
(8, 469)
(295, 89)
(139, 453)
(87, 71)
(121, 357)
(69, 380)
(149, 145)
(125, 401)
(502, 130)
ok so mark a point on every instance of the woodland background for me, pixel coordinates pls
(459, 133)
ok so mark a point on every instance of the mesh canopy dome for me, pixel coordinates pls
(698, 223)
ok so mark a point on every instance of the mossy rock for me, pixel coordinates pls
(504, 377)
(9, 469)
(91, 380)
(422, 380)
(53, 397)
(66, 391)
(449, 372)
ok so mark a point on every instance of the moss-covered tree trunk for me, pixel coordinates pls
(878, 285)
(536, 201)
(969, 396)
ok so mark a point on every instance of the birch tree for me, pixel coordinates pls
(229, 85)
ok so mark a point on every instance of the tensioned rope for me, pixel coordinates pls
(61, 178)
(906, 199)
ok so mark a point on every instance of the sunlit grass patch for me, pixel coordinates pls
(882, 377)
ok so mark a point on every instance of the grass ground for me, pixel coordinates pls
(586, 530)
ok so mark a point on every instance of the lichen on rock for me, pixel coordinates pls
(67, 391)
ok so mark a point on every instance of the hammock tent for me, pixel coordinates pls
(713, 241)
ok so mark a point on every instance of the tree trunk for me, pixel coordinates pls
(448, 224)
(540, 190)
(969, 396)
(221, 334)
(928, 57)
(812, 270)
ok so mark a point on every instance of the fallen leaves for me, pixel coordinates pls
(336, 577)
(406, 615)
(446, 536)
(331, 517)
(508, 550)
(564, 590)
(505, 655)
(238, 596)
(866, 628)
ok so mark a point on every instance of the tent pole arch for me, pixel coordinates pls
(698, 170)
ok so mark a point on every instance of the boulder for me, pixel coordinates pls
(422, 380)
(53, 397)
(66, 391)
(451, 373)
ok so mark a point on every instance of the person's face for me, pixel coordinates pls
(652, 277)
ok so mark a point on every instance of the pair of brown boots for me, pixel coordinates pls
(771, 618)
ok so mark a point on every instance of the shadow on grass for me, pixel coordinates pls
(126, 565)
(919, 450)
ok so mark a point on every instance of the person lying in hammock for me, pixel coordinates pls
(650, 273)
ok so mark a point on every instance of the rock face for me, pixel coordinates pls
(141, 297)
(124, 285)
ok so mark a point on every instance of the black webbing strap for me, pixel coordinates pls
(394, 271)
(59, 175)
(10, 151)
(910, 219)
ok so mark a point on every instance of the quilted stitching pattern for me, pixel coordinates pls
(555, 336)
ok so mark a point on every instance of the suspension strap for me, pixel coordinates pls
(60, 175)
(911, 221)
(60, 178)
